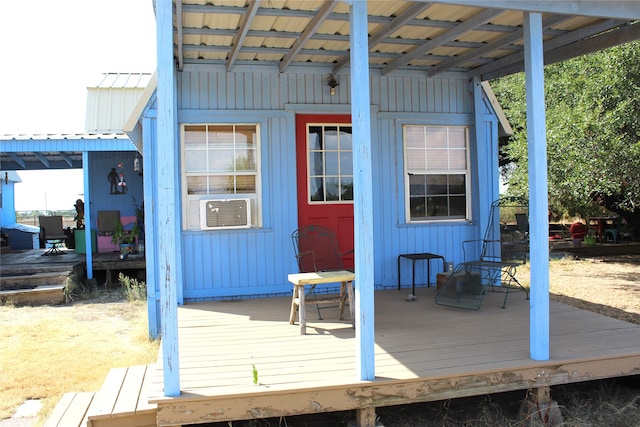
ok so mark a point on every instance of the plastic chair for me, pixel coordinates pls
(52, 232)
(611, 232)
(316, 249)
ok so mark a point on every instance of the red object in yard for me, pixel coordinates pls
(578, 230)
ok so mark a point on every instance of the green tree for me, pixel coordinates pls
(593, 134)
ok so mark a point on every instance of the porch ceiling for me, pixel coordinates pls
(436, 36)
(37, 152)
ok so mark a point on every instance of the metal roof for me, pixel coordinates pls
(437, 36)
(111, 100)
(56, 151)
(121, 81)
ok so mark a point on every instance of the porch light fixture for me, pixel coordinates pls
(332, 83)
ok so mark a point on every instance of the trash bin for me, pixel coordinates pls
(81, 247)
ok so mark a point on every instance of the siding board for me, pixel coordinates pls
(234, 263)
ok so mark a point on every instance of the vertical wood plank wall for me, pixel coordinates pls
(220, 264)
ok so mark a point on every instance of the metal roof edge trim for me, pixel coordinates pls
(142, 103)
(62, 136)
(497, 108)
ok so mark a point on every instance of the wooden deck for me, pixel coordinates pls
(424, 352)
(32, 262)
(122, 401)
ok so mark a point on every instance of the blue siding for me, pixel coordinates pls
(100, 163)
(256, 262)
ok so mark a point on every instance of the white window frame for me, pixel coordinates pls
(308, 152)
(191, 202)
(408, 172)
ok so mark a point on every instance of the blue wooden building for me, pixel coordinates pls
(368, 116)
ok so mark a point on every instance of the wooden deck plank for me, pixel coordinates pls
(71, 410)
(127, 398)
(76, 415)
(143, 405)
(105, 400)
(59, 410)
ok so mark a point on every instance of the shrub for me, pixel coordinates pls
(133, 289)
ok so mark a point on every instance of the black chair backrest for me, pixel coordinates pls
(107, 221)
(316, 249)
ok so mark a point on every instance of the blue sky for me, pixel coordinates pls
(53, 50)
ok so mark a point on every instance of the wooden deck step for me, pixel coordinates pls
(123, 399)
(71, 410)
(43, 294)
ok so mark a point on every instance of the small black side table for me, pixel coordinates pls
(417, 257)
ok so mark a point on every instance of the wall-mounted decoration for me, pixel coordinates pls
(117, 184)
(113, 181)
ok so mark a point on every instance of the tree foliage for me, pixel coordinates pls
(593, 133)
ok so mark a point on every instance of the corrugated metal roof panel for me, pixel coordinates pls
(110, 102)
(122, 81)
(58, 136)
(211, 27)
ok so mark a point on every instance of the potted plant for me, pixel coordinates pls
(139, 227)
(126, 239)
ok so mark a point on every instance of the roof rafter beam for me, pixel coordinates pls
(180, 37)
(238, 40)
(313, 26)
(66, 158)
(466, 26)
(309, 52)
(496, 44)
(555, 43)
(387, 30)
(43, 159)
(18, 160)
(612, 9)
(328, 37)
(602, 41)
(343, 17)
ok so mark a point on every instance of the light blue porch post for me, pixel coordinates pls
(363, 190)
(538, 192)
(150, 251)
(87, 215)
(166, 205)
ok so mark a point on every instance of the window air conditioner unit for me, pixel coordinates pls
(225, 214)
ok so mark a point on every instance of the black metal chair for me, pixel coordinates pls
(316, 249)
(52, 232)
(495, 268)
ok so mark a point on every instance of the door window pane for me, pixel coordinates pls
(330, 163)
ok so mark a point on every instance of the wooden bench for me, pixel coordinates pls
(71, 410)
(299, 280)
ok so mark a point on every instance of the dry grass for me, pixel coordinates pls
(49, 350)
(604, 285)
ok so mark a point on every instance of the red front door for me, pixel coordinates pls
(325, 175)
